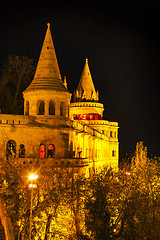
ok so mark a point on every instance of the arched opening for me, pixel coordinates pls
(22, 151)
(42, 151)
(62, 109)
(51, 108)
(40, 107)
(11, 149)
(27, 108)
(51, 151)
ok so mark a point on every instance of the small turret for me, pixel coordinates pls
(65, 82)
(85, 104)
(86, 90)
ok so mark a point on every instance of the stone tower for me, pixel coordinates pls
(86, 109)
(47, 94)
(86, 90)
(85, 104)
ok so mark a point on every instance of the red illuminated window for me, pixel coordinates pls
(91, 116)
(79, 117)
(42, 151)
(84, 117)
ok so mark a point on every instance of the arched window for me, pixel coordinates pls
(51, 151)
(22, 151)
(51, 108)
(11, 149)
(27, 108)
(62, 109)
(40, 107)
(96, 117)
(42, 151)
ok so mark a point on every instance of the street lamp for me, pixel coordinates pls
(32, 185)
(128, 173)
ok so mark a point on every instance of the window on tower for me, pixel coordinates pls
(91, 116)
(96, 117)
(84, 117)
(87, 116)
(51, 108)
(79, 117)
(40, 106)
(62, 109)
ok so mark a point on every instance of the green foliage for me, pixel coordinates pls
(16, 75)
(120, 205)
(141, 211)
(125, 205)
(56, 200)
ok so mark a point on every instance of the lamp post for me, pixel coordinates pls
(32, 185)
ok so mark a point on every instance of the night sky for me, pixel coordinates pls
(120, 39)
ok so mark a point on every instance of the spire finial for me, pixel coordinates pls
(65, 82)
(48, 24)
(86, 60)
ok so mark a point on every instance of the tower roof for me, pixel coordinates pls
(47, 75)
(86, 89)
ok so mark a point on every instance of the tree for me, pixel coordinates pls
(6, 221)
(140, 197)
(16, 75)
(125, 205)
(16, 196)
(111, 205)
(140, 158)
(103, 220)
(56, 211)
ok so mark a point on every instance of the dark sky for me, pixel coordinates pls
(120, 39)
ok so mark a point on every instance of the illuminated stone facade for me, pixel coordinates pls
(72, 134)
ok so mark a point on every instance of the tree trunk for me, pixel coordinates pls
(49, 220)
(77, 221)
(6, 221)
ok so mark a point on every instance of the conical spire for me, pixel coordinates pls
(86, 89)
(47, 75)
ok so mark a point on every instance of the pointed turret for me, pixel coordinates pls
(47, 94)
(86, 90)
(47, 75)
(85, 105)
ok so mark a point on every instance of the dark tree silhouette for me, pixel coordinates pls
(16, 75)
